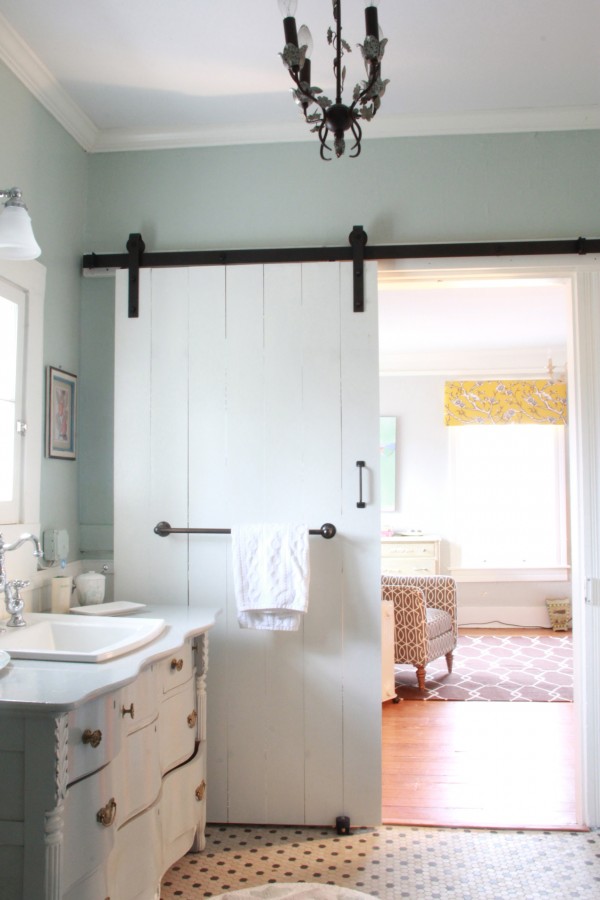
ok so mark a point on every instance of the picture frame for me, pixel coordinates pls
(61, 413)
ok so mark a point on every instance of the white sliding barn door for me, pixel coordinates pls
(247, 394)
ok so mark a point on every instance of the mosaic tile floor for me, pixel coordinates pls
(394, 862)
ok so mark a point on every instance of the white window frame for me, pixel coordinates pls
(10, 509)
(30, 279)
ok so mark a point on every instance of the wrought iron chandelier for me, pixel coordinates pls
(334, 118)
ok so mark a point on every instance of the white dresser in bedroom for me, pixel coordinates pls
(410, 555)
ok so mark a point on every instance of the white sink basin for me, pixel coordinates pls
(66, 639)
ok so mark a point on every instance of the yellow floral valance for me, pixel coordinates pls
(505, 402)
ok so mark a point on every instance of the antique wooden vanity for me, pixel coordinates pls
(104, 767)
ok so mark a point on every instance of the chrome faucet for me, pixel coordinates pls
(14, 603)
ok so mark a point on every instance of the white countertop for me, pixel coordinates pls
(36, 686)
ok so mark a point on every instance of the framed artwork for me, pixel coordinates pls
(61, 413)
(387, 450)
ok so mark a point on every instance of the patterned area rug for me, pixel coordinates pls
(498, 668)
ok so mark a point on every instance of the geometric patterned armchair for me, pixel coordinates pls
(425, 625)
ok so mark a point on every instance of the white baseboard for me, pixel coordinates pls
(503, 616)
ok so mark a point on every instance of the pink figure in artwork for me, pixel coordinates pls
(62, 414)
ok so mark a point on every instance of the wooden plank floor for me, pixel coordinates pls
(476, 764)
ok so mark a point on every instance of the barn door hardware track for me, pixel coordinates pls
(356, 252)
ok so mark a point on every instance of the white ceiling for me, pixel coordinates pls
(163, 73)
(479, 326)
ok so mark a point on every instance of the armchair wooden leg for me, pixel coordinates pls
(421, 677)
(449, 661)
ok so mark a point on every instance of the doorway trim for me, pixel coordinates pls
(583, 376)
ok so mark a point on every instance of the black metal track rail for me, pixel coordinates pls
(356, 252)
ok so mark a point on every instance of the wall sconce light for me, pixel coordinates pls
(16, 234)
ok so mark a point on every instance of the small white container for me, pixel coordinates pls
(60, 593)
(91, 586)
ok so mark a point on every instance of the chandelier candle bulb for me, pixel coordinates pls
(305, 40)
(372, 24)
(287, 8)
(289, 30)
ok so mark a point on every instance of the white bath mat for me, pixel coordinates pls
(298, 891)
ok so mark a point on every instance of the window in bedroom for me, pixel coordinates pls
(510, 496)
(509, 476)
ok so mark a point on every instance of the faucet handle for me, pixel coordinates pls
(18, 585)
(14, 602)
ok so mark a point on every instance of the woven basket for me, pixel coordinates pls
(560, 614)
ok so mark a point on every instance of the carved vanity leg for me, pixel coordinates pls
(54, 818)
(201, 647)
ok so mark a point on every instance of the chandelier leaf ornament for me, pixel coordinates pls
(333, 118)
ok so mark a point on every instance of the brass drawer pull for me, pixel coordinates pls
(201, 790)
(128, 711)
(106, 815)
(93, 738)
(192, 718)
(176, 665)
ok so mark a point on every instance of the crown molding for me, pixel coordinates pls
(483, 122)
(40, 82)
(38, 79)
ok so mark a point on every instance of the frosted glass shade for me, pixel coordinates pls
(16, 234)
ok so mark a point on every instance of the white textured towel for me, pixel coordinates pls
(271, 574)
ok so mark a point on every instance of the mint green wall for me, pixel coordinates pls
(504, 187)
(413, 189)
(37, 155)
(401, 190)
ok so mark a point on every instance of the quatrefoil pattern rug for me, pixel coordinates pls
(536, 668)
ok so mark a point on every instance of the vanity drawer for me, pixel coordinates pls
(135, 866)
(176, 668)
(178, 726)
(87, 842)
(91, 887)
(138, 701)
(140, 771)
(94, 736)
(183, 808)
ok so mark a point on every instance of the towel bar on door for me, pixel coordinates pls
(163, 529)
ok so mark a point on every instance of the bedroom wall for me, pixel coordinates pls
(422, 490)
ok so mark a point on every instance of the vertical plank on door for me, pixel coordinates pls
(208, 505)
(361, 564)
(324, 626)
(284, 501)
(246, 650)
(169, 433)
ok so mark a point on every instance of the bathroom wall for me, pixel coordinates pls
(478, 187)
(37, 155)
(473, 188)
